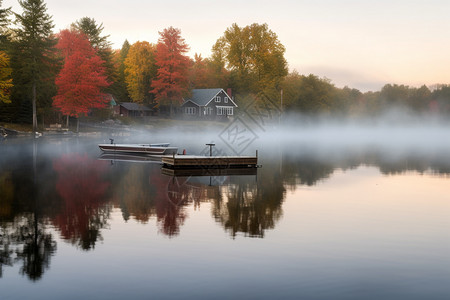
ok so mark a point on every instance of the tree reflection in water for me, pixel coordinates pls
(250, 205)
(25, 240)
(83, 190)
(76, 193)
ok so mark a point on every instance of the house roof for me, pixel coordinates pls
(202, 97)
(134, 106)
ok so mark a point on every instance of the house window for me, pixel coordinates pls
(217, 99)
(224, 111)
(225, 99)
(207, 111)
(190, 110)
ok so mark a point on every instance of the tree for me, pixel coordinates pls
(93, 32)
(420, 98)
(5, 78)
(140, 69)
(4, 23)
(33, 54)
(172, 78)
(254, 55)
(441, 99)
(82, 77)
(207, 73)
(309, 94)
(100, 43)
(119, 64)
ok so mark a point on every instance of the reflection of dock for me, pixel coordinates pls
(208, 172)
(209, 162)
(130, 158)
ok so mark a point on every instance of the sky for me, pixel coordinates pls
(360, 44)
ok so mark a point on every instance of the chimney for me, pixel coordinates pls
(229, 93)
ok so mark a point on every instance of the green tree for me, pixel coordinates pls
(346, 101)
(441, 99)
(94, 33)
(254, 55)
(394, 94)
(4, 24)
(309, 94)
(420, 98)
(5, 70)
(33, 56)
(119, 59)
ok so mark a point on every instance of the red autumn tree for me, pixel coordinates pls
(82, 77)
(173, 68)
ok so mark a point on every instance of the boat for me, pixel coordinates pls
(151, 149)
(130, 157)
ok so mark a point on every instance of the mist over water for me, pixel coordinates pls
(322, 217)
(395, 132)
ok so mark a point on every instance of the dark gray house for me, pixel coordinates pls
(130, 109)
(209, 104)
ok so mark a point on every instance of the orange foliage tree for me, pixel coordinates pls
(208, 73)
(139, 71)
(82, 77)
(173, 68)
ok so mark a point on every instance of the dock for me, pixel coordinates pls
(187, 172)
(209, 162)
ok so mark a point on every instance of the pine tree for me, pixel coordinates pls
(4, 24)
(32, 59)
(103, 47)
(5, 70)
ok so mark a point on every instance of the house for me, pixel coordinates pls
(131, 109)
(209, 103)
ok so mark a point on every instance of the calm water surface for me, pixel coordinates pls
(317, 221)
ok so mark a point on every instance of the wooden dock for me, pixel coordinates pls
(187, 172)
(206, 162)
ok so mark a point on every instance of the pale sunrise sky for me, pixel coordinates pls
(361, 44)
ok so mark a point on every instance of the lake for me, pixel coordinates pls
(332, 213)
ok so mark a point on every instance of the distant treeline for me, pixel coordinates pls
(248, 60)
(311, 94)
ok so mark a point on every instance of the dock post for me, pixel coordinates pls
(210, 148)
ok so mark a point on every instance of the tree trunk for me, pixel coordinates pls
(33, 101)
(78, 124)
(67, 122)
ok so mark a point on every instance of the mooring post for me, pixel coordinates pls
(210, 148)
